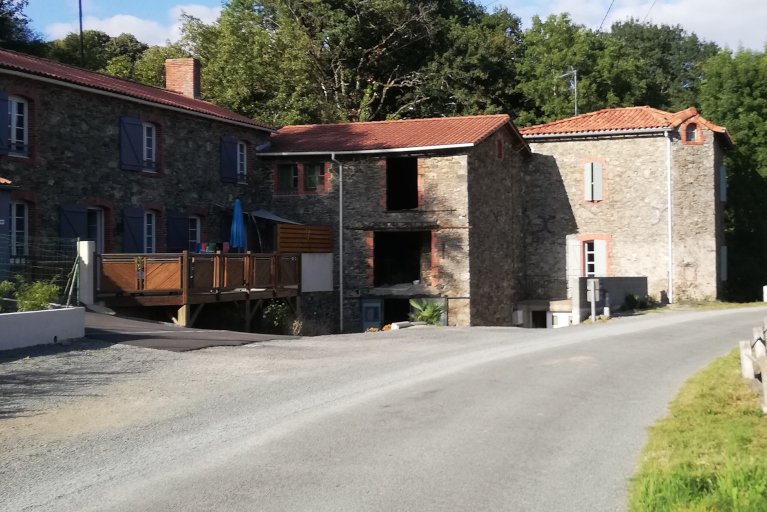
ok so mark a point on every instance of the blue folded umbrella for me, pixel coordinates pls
(237, 232)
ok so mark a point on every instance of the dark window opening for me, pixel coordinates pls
(396, 310)
(401, 257)
(401, 183)
(538, 319)
(691, 132)
(287, 178)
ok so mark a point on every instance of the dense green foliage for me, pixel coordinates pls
(710, 452)
(318, 61)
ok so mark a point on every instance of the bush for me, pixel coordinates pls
(6, 292)
(36, 296)
(632, 302)
(428, 311)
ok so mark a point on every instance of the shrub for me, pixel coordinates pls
(428, 311)
(6, 292)
(36, 296)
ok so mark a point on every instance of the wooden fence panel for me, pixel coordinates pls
(118, 276)
(297, 238)
(202, 273)
(162, 275)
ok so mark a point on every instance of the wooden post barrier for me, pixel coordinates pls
(746, 363)
(757, 342)
(761, 363)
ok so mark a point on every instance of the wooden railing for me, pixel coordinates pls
(192, 273)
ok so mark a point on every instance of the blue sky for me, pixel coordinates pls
(738, 23)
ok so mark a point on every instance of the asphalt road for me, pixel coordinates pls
(421, 419)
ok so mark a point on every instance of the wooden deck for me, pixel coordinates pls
(195, 278)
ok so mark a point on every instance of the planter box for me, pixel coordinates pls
(19, 330)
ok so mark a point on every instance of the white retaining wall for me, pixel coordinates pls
(18, 330)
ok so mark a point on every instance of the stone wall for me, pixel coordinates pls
(697, 217)
(443, 210)
(496, 235)
(632, 217)
(75, 158)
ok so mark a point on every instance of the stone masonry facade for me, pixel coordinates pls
(632, 217)
(74, 139)
(459, 205)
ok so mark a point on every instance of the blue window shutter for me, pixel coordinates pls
(178, 232)
(228, 168)
(5, 124)
(133, 229)
(131, 144)
(73, 221)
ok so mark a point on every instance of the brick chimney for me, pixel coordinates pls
(183, 76)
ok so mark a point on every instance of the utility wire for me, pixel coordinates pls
(648, 11)
(606, 14)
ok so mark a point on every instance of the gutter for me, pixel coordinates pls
(125, 97)
(340, 241)
(669, 221)
(369, 151)
(602, 133)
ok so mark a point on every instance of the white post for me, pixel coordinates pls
(758, 343)
(764, 293)
(746, 364)
(86, 251)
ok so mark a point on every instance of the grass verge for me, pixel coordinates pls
(710, 453)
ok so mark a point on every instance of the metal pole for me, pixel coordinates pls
(575, 81)
(82, 46)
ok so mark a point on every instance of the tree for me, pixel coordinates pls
(67, 50)
(15, 32)
(672, 62)
(734, 94)
(552, 47)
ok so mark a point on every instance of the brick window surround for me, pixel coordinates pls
(301, 180)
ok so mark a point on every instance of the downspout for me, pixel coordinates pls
(340, 241)
(669, 222)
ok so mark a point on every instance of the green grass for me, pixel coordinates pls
(707, 305)
(710, 453)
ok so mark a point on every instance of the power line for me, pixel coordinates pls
(606, 14)
(648, 11)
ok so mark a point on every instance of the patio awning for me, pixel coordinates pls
(264, 214)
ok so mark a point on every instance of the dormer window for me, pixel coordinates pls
(691, 132)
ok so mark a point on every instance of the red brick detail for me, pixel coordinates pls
(698, 141)
(420, 183)
(434, 259)
(370, 258)
(183, 76)
(32, 95)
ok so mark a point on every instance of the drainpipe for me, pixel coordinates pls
(340, 241)
(669, 222)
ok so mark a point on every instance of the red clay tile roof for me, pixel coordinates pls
(621, 119)
(387, 135)
(162, 97)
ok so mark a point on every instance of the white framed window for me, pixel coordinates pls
(194, 232)
(595, 258)
(150, 223)
(19, 231)
(593, 182)
(149, 139)
(18, 109)
(242, 162)
(95, 227)
(691, 132)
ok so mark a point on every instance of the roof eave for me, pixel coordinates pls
(126, 97)
(369, 151)
(597, 133)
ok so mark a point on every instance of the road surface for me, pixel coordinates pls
(424, 419)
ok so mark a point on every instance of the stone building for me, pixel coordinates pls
(627, 192)
(133, 167)
(428, 208)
